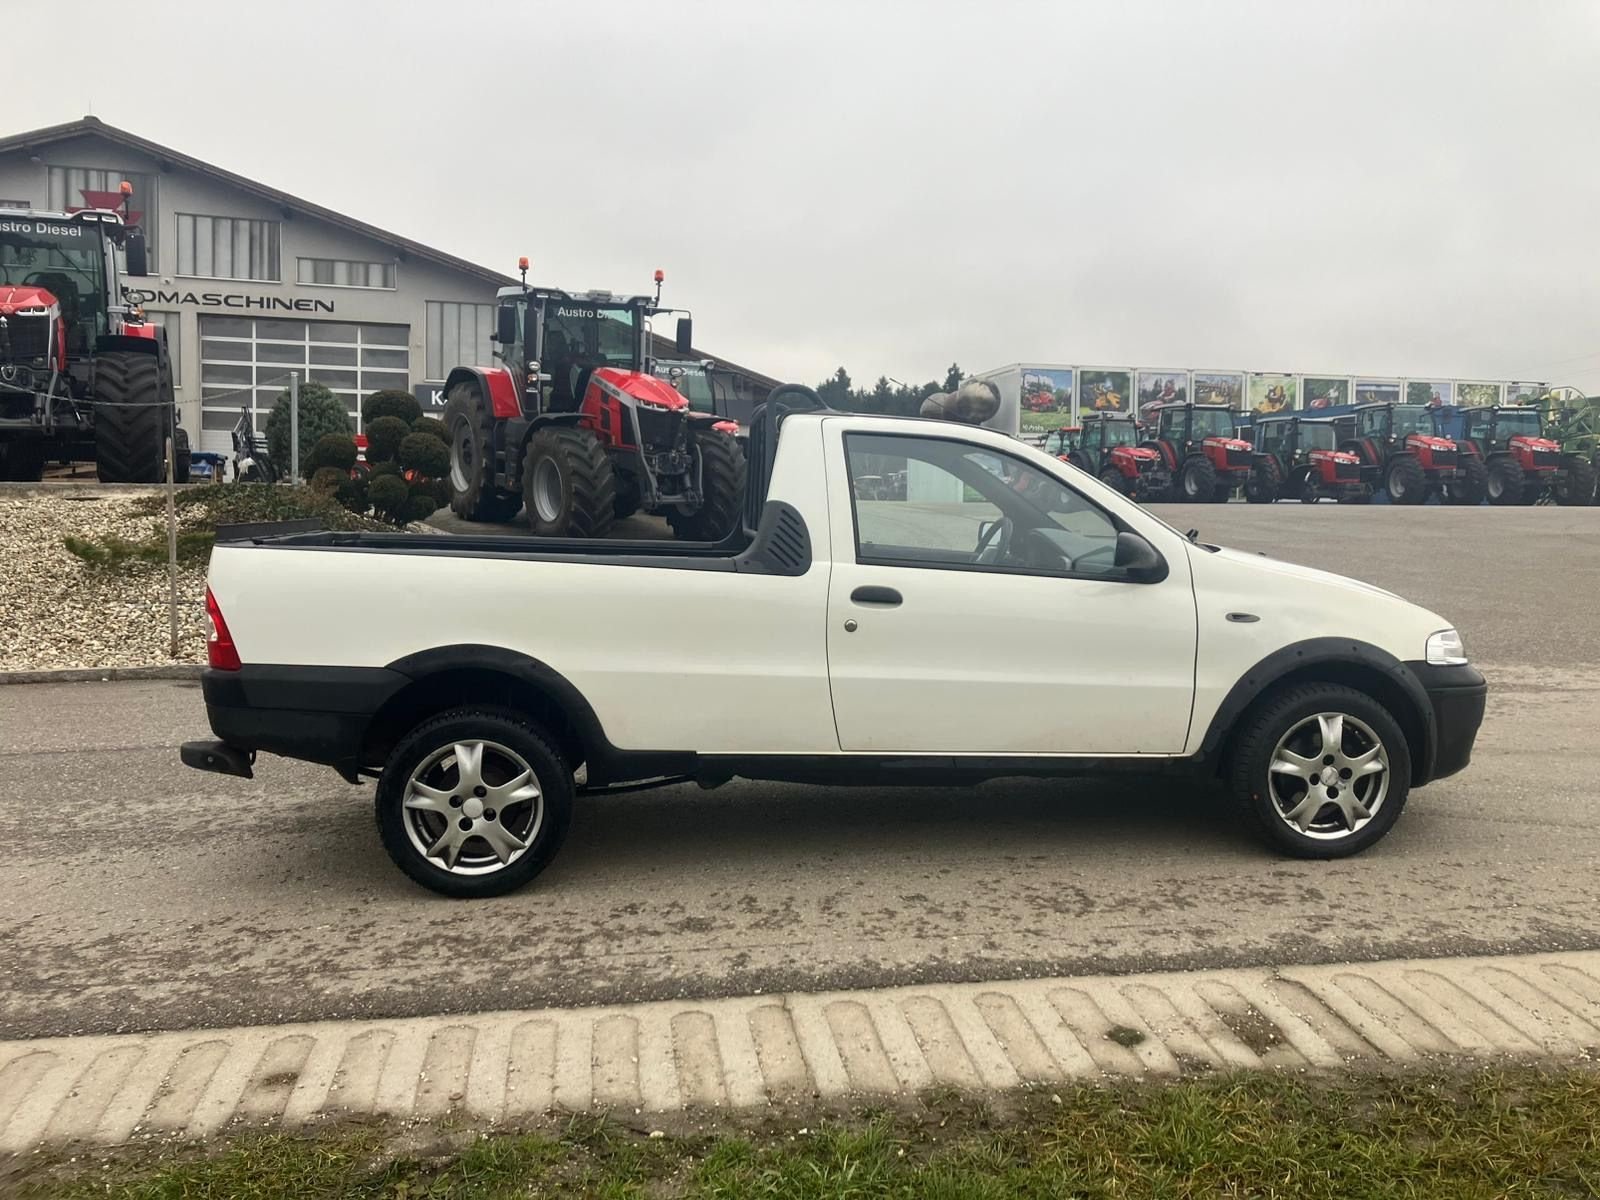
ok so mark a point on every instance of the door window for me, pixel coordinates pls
(958, 506)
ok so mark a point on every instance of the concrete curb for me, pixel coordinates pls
(104, 674)
(746, 1052)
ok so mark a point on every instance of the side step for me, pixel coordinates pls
(218, 757)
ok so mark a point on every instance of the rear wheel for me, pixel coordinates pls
(469, 426)
(1114, 478)
(474, 802)
(722, 482)
(1577, 483)
(1197, 480)
(1405, 481)
(133, 417)
(1505, 481)
(568, 485)
(1320, 771)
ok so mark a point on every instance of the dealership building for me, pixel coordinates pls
(252, 283)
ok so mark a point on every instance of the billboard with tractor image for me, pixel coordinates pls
(1046, 400)
(1105, 390)
(1472, 394)
(1219, 387)
(1161, 387)
(1273, 393)
(1325, 391)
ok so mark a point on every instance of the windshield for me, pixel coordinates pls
(1316, 437)
(67, 260)
(589, 335)
(1519, 423)
(1120, 433)
(1412, 418)
(1211, 422)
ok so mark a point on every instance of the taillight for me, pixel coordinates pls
(221, 653)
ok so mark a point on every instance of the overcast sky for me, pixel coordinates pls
(1383, 188)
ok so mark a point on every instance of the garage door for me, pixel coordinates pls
(245, 363)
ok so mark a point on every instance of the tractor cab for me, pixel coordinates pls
(1200, 449)
(1062, 442)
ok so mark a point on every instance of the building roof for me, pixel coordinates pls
(168, 158)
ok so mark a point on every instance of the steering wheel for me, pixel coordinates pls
(1001, 527)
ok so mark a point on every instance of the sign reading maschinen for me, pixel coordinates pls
(238, 300)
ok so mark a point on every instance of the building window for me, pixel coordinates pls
(69, 188)
(16, 204)
(340, 272)
(173, 323)
(458, 335)
(228, 248)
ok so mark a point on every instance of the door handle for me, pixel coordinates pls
(884, 596)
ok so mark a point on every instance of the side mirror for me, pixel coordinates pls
(685, 340)
(505, 328)
(1138, 559)
(138, 258)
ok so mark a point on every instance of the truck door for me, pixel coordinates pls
(979, 609)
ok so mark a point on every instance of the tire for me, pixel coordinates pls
(569, 488)
(22, 461)
(1196, 480)
(1577, 485)
(1265, 479)
(469, 428)
(1506, 482)
(1474, 487)
(1290, 719)
(508, 743)
(182, 456)
(1114, 478)
(1405, 481)
(133, 415)
(722, 480)
(1078, 459)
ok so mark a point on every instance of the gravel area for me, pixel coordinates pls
(58, 612)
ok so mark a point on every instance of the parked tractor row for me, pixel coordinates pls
(1195, 453)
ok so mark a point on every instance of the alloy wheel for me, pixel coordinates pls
(1328, 776)
(473, 807)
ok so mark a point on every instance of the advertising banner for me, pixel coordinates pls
(1046, 401)
(1377, 391)
(1325, 391)
(1102, 390)
(1432, 392)
(1161, 387)
(1475, 395)
(1219, 387)
(1524, 393)
(1272, 393)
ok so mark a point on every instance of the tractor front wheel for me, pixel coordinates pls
(722, 480)
(1506, 481)
(468, 425)
(1577, 484)
(134, 414)
(1264, 482)
(1405, 481)
(1114, 479)
(1197, 480)
(568, 484)
(1473, 486)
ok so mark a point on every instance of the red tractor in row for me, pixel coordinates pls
(1204, 458)
(1402, 455)
(1523, 465)
(573, 425)
(1299, 457)
(1107, 447)
(81, 372)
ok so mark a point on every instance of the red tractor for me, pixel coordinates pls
(1039, 400)
(1402, 456)
(80, 371)
(574, 425)
(1108, 448)
(1062, 442)
(1523, 464)
(1299, 457)
(1204, 459)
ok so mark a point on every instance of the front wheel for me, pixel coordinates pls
(568, 484)
(1320, 771)
(1577, 483)
(1262, 487)
(1405, 481)
(1114, 478)
(1197, 480)
(1506, 482)
(474, 802)
(722, 484)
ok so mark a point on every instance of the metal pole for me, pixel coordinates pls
(172, 549)
(294, 426)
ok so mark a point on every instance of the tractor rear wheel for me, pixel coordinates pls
(1506, 482)
(722, 482)
(134, 414)
(469, 424)
(22, 461)
(1196, 481)
(1577, 484)
(1405, 481)
(1115, 479)
(568, 484)
(1265, 480)
(1473, 487)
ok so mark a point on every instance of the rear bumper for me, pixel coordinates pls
(320, 714)
(1457, 696)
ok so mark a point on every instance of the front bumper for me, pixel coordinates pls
(1457, 695)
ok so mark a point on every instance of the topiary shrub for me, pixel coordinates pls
(420, 506)
(390, 402)
(385, 468)
(336, 450)
(389, 496)
(431, 425)
(425, 454)
(327, 480)
(384, 437)
(352, 493)
(321, 413)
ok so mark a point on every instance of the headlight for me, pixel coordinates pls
(1445, 649)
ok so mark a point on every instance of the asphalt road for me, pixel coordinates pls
(139, 894)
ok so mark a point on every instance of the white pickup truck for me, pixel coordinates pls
(909, 601)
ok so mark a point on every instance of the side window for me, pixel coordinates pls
(937, 502)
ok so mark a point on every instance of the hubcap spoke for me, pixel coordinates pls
(1352, 808)
(428, 799)
(448, 848)
(1369, 763)
(1305, 812)
(1290, 763)
(469, 764)
(501, 840)
(1332, 727)
(514, 791)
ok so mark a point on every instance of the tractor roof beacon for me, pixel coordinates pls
(81, 371)
(573, 425)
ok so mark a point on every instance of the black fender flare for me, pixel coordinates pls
(1296, 658)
